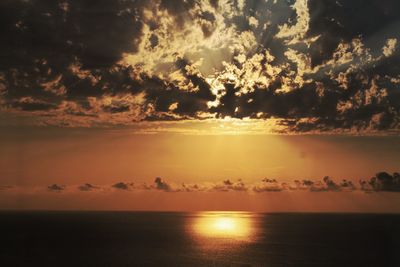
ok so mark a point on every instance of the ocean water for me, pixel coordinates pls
(198, 239)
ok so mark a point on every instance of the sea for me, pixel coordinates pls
(50, 238)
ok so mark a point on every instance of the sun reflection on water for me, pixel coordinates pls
(225, 238)
(239, 226)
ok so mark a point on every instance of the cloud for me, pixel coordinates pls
(228, 185)
(390, 47)
(87, 187)
(56, 188)
(123, 186)
(325, 185)
(331, 185)
(382, 181)
(311, 66)
(298, 30)
(268, 185)
(161, 185)
(30, 104)
(346, 185)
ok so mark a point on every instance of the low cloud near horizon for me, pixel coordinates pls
(381, 182)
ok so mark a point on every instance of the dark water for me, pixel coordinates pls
(197, 239)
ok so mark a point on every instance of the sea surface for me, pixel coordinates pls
(198, 239)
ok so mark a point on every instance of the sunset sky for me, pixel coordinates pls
(274, 105)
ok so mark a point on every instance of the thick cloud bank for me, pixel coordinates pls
(311, 65)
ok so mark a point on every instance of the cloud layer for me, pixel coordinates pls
(310, 65)
(381, 182)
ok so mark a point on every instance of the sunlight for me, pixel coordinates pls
(235, 225)
(225, 224)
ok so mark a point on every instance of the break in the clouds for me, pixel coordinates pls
(308, 65)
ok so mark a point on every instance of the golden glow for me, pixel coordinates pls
(225, 225)
(236, 225)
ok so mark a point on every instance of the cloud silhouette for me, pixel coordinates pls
(268, 185)
(123, 186)
(347, 185)
(87, 187)
(310, 64)
(56, 188)
(228, 185)
(161, 185)
(381, 182)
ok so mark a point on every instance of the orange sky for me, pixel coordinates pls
(73, 156)
(244, 105)
(32, 160)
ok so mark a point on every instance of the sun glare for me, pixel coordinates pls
(235, 225)
(225, 224)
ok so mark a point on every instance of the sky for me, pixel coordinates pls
(275, 105)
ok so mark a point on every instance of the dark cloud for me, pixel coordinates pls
(228, 185)
(178, 9)
(153, 40)
(117, 108)
(123, 186)
(331, 185)
(214, 3)
(382, 181)
(269, 185)
(33, 105)
(87, 187)
(44, 39)
(97, 33)
(340, 21)
(161, 94)
(161, 185)
(329, 66)
(345, 184)
(56, 188)
(307, 182)
(326, 184)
